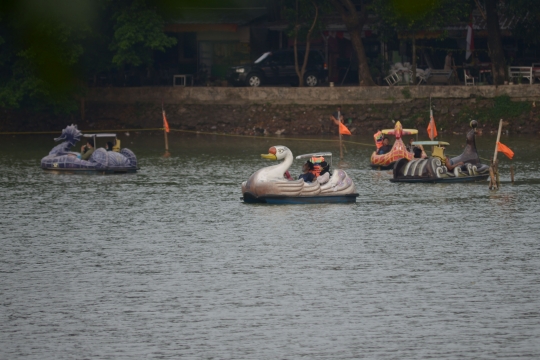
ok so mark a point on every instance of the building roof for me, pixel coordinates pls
(241, 12)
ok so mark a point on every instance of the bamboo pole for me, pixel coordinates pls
(512, 173)
(498, 139)
(166, 140)
(494, 179)
(340, 141)
(165, 127)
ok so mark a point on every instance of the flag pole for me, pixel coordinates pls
(166, 140)
(339, 131)
(431, 136)
(165, 128)
(494, 181)
(498, 139)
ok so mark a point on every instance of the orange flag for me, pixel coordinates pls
(343, 130)
(165, 123)
(431, 129)
(505, 150)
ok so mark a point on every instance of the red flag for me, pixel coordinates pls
(165, 123)
(343, 130)
(505, 150)
(431, 129)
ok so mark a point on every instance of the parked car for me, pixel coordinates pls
(277, 67)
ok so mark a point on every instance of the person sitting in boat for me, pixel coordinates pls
(109, 146)
(438, 151)
(417, 150)
(87, 150)
(324, 175)
(325, 168)
(386, 147)
(449, 165)
(307, 175)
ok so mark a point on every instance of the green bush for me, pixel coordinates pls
(503, 108)
(406, 93)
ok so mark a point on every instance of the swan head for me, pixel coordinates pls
(277, 152)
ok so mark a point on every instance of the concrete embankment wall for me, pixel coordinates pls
(306, 111)
(306, 96)
(292, 111)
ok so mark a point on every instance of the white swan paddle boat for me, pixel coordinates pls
(268, 185)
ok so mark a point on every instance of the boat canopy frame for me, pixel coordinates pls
(317, 154)
(101, 135)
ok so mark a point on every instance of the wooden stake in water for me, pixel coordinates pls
(166, 140)
(165, 131)
(512, 173)
(494, 181)
(339, 131)
(498, 139)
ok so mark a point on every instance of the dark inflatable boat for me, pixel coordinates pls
(61, 159)
(440, 169)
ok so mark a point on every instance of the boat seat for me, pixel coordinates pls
(323, 179)
(116, 146)
(438, 151)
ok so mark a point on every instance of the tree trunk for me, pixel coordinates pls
(301, 71)
(496, 53)
(354, 22)
(414, 59)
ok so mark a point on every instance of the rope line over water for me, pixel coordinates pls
(192, 132)
(204, 133)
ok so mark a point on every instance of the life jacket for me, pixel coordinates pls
(316, 165)
(316, 170)
(378, 136)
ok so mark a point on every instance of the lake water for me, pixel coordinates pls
(168, 263)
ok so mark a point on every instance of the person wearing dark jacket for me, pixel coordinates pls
(87, 150)
(307, 175)
(385, 148)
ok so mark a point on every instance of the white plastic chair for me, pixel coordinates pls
(421, 75)
(392, 79)
(469, 79)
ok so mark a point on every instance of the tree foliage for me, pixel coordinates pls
(409, 18)
(47, 51)
(420, 15)
(138, 31)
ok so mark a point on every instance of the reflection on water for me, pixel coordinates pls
(168, 263)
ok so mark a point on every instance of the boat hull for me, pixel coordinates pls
(442, 180)
(88, 171)
(383, 167)
(387, 161)
(101, 162)
(298, 200)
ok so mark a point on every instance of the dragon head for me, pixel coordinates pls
(71, 134)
